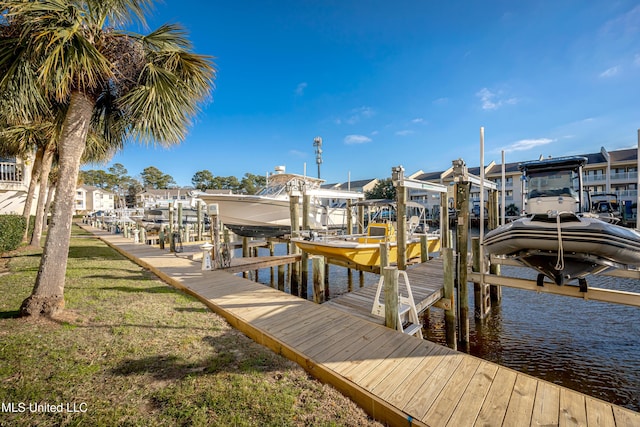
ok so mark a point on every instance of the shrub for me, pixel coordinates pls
(11, 230)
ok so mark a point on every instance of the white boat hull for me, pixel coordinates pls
(259, 216)
(572, 248)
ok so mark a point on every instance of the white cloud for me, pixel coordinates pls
(298, 153)
(493, 101)
(527, 144)
(358, 114)
(404, 132)
(610, 72)
(417, 120)
(625, 25)
(300, 88)
(356, 139)
(440, 101)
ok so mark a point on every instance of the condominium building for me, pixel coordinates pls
(614, 172)
(91, 199)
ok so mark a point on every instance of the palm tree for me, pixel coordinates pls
(122, 85)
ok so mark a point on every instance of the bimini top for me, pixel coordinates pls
(558, 163)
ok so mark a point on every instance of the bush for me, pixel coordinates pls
(11, 231)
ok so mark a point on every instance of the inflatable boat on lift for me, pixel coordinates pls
(556, 239)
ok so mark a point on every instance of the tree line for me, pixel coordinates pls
(117, 180)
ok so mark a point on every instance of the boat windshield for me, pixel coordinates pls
(552, 184)
(273, 190)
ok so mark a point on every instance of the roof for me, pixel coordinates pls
(627, 155)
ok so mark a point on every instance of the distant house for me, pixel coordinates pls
(15, 174)
(91, 199)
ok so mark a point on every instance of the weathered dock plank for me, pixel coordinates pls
(495, 403)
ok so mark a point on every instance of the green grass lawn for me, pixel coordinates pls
(130, 350)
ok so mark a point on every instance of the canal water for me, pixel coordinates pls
(588, 346)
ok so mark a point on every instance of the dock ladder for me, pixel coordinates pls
(408, 321)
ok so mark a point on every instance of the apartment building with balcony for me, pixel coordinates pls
(15, 174)
(614, 172)
(92, 199)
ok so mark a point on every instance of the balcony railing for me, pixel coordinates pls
(627, 194)
(594, 178)
(624, 176)
(9, 172)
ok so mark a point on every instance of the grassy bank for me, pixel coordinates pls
(130, 350)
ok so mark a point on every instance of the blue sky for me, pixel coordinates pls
(402, 83)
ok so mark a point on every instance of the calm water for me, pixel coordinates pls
(587, 346)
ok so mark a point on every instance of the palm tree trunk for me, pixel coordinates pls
(35, 175)
(47, 297)
(47, 161)
(50, 194)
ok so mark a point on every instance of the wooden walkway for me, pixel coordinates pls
(426, 282)
(398, 379)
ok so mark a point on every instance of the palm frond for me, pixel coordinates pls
(172, 85)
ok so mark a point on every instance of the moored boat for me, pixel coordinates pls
(557, 238)
(267, 214)
(363, 250)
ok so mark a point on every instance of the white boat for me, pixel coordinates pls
(556, 238)
(267, 214)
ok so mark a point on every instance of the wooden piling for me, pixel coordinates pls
(390, 275)
(424, 248)
(254, 253)
(318, 279)
(445, 242)
(215, 240)
(200, 223)
(245, 253)
(171, 220)
(449, 279)
(462, 247)
(401, 213)
(482, 304)
(495, 291)
(304, 263)
(349, 217)
(360, 222)
(272, 252)
(327, 294)
(384, 255)
(294, 201)
(281, 277)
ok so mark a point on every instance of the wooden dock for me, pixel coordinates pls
(426, 280)
(398, 379)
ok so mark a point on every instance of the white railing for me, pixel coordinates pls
(626, 194)
(624, 176)
(10, 172)
(594, 178)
